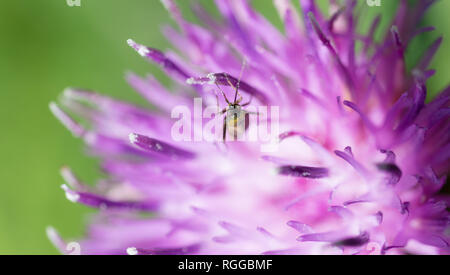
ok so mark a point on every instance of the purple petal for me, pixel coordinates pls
(228, 80)
(76, 129)
(159, 58)
(300, 227)
(391, 169)
(157, 146)
(184, 250)
(303, 171)
(96, 201)
(426, 59)
(343, 212)
(354, 241)
(350, 159)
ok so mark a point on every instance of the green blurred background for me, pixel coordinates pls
(47, 46)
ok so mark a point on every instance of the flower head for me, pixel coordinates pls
(359, 161)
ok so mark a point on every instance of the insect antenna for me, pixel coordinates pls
(239, 79)
(238, 83)
(223, 93)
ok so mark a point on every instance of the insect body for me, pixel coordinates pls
(236, 121)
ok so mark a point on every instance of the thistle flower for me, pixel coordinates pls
(361, 156)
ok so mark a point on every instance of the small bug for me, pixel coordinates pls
(236, 120)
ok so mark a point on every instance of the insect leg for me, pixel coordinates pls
(224, 128)
(236, 88)
(224, 96)
(247, 103)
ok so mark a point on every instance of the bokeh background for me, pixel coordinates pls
(47, 46)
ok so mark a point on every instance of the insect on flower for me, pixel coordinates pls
(236, 120)
(361, 157)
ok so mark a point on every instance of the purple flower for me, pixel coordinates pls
(360, 156)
